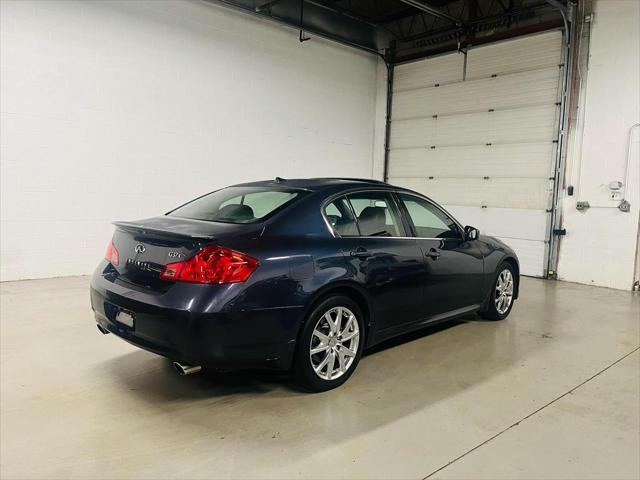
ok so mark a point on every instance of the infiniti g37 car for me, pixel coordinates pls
(298, 275)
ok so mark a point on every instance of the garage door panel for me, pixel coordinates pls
(527, 53)
(531, 255)
(536, 124)
(496, 192)
(528, 160)
(500, 221)
(444, 69)
(485, 146)
(529, 244)
(517, 90)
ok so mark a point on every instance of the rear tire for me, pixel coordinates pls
(330, 345)
(501, 296)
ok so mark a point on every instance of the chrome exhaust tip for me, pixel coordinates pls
(102, 330)
(186, 369)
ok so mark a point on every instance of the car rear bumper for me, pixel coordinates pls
(229, 339)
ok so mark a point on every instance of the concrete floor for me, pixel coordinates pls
(553, 392)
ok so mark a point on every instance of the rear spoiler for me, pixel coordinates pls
(132, 227)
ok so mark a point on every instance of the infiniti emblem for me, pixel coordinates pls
(140, 248)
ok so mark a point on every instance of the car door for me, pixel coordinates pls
(452, 266)
(381, 256)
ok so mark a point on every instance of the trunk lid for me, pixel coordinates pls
(146, 246)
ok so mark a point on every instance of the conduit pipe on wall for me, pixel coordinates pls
(627, 165)
(636, 264)
(628, 160)
(582, 70)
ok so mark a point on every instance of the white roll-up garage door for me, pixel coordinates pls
(481, 138)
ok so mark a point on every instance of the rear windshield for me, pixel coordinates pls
(236, 204)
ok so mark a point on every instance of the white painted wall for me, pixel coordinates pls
(600, 244)
(121, 110)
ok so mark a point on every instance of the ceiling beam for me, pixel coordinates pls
(266, 6)
(341, 11)
(408, 54)
(401, 15)
(558, 4)
(425, 7)
(319, 19)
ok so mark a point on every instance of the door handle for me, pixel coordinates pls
(433, 253)
(383, 281)
(360, 252)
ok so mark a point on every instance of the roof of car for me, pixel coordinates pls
(316, 183)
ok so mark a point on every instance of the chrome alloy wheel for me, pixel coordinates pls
(504, 291)
(334, 343)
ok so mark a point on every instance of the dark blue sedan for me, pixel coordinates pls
(297, 275)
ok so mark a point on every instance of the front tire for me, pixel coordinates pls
(330, 345)
(501, 296)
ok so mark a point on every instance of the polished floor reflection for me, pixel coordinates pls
(551, 392)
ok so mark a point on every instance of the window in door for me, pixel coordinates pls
(376, 214)
(428, 220)
(340, 217)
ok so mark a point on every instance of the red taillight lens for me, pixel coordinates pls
(112, 255)
(212, 265)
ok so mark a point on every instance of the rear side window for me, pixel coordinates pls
(237, 204)
(340, 217)
(376, 214)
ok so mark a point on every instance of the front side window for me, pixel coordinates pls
(428, 220)
(376, 214)
(236, 204)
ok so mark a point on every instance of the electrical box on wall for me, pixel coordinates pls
(615, 190)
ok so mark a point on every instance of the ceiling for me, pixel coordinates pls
(402, 30)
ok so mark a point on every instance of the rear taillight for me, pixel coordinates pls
(112, 255)
(212, 265)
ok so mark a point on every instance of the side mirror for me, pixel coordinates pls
(471, 233)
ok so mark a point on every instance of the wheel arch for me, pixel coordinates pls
(516, 269)
(348, 289)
